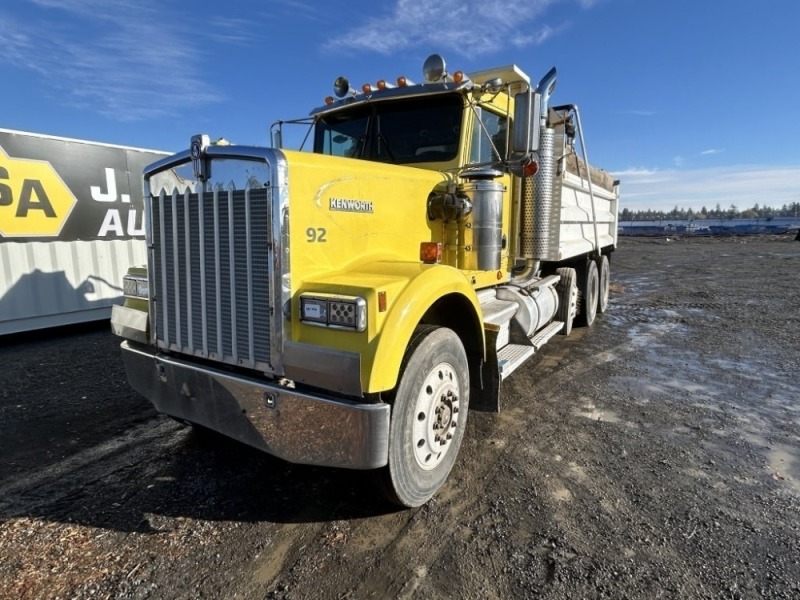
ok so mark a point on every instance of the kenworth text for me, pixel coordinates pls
(348, 306)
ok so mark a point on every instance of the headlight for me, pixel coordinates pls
(135, 287)
(340, 312)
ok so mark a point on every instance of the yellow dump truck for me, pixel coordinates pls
(347, 306)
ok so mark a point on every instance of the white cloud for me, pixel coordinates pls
(678, 161)
(710, 151)
(120, 59)
(231, 30)
(294, 9)
(413, 23)
(741, 185)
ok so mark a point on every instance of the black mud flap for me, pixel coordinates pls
(485, 382)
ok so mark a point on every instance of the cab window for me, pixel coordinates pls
(485, 148)
(407, 131)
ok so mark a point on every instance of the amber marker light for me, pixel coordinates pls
(458, 76)
(430, 252)
(530, 168)
(366, 88)
(329, 100)
(381, 84)
(381, 301)
(402, 81)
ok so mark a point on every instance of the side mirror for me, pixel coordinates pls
(525, 139)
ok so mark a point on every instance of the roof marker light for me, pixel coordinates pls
(366, 88)
(402, 81)
(458, 76)
(329, 100)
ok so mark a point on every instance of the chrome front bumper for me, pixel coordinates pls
(297, 427)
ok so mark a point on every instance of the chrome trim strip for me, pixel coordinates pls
(148, 234)
(203, 288)
(280, 259)
(163, 242)
(411, 91)
(188, 263)
(295, 426)
(249, 249)
(217, 271)
(232, 277)
(176, 271)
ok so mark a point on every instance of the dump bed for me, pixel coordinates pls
(572, 229)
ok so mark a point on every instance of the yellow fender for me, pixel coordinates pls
(426, 285)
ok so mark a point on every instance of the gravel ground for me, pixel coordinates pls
(655, 455)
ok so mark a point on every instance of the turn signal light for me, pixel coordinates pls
(430, 252)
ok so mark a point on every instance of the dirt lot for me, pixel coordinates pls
(656, 455)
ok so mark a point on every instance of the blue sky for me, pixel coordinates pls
(689, 102)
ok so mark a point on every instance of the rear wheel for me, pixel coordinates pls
(567, 298)
(588, 287)
(429, 413)
(604, 266)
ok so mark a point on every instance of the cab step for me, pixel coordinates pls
(513, 355)
(541, 337)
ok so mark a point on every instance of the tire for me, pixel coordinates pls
(604, 266)
(567, 291)
(588, 287)
(429, 414)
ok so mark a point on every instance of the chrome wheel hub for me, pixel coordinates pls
(436, 416)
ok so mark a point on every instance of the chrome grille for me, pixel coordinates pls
(211, 274)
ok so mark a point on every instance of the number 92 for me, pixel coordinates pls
(316, 234)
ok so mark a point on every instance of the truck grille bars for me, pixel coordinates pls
(211, 274)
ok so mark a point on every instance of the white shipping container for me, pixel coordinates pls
(71, 223)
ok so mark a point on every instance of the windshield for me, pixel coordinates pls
(424, 129)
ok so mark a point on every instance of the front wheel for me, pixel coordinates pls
(429, 413)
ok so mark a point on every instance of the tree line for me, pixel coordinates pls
(688, 214)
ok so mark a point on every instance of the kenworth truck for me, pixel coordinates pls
(348, 306)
